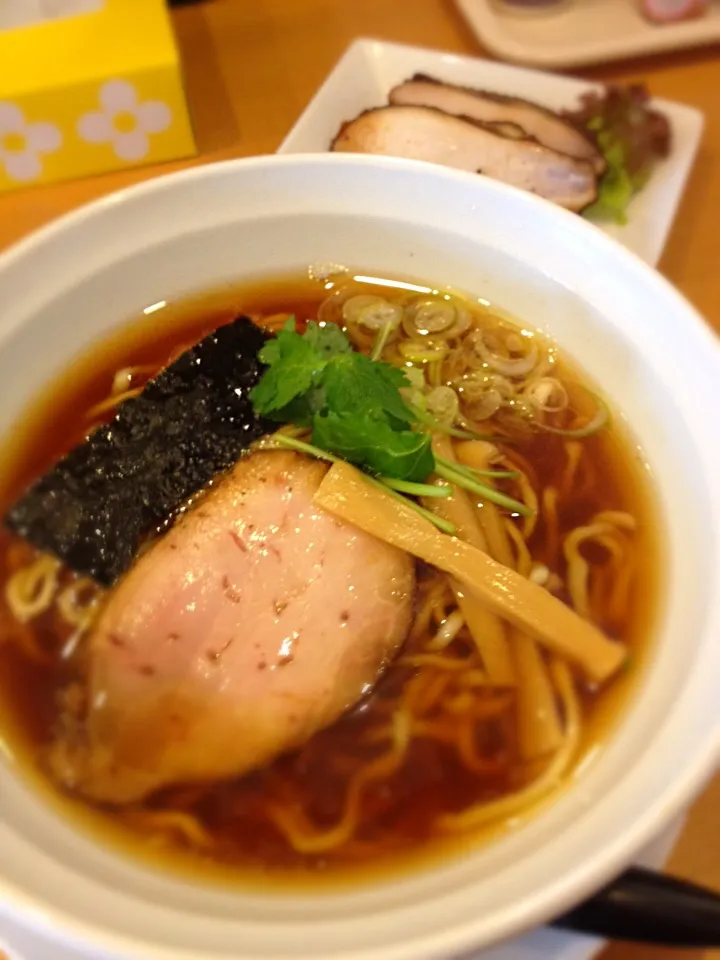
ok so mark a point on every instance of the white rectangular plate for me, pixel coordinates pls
(582, 31)
(369, 69)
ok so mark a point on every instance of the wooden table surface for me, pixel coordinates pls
(252, 65)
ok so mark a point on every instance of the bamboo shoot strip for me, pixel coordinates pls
(347, 494)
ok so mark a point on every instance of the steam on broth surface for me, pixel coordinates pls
(473, 722)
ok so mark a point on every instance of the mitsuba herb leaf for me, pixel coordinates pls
(293, 368)
(272, 351)
(328, 339)
(374, 444)
(352, 403)
(356, 383)
(301, 410)
(356, 411)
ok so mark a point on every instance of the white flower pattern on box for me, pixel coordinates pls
(124, 122)
(22, 144)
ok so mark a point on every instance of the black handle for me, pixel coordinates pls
(648, 907)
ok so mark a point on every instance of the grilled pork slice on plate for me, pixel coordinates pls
(497, 149)
(494, 108)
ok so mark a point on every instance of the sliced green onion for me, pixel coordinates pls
(485, 492)
(473, 471)
(290, 430)
(443, 525)
(592, 426)
(381, 340)
(434, 316)
(434, 424)
(371, 312)
(417, 352)
(416, 376)
(416, 489)
(283, 440)
(443, 403)
(434, 372)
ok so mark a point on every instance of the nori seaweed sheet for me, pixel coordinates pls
(128, 479)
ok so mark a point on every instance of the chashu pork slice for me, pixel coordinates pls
(424, 133)
(257, 620)
(493, 108)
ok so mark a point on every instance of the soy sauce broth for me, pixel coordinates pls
(247, 850)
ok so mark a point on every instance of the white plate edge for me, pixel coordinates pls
(486, 26)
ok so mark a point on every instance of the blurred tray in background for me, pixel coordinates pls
(577, 32)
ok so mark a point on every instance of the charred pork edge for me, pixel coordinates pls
(487, 127)
(505, 98)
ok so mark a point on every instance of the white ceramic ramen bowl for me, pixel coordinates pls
(79, 278)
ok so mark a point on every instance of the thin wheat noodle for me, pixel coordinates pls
(605, 534)
(480, 708)
(432, 692)
(491, 522)
(460, 703)
(584, 477)
(618, 518)
(294, 825)
(467, 751)
(493, 705)
(431, 660)
(446, 632)
(112, 401)
(573, 452)
(514, 460)
(474, 678)
(423, 617)
(444, 730)
(527, 495)
(523, 562)
(540, 574)
(414, 689)
(609, 584)
(552, 527)
(179, 822)
(523, 800)
(178, 351)
(31, 589)
(616, 604)
(578, 568)
(440, 611)
(121, 381)
(478, 454)
(124, 377)
(71, 608)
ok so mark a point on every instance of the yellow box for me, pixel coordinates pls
(91, 93)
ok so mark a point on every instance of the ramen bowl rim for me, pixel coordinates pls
(559, 894)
